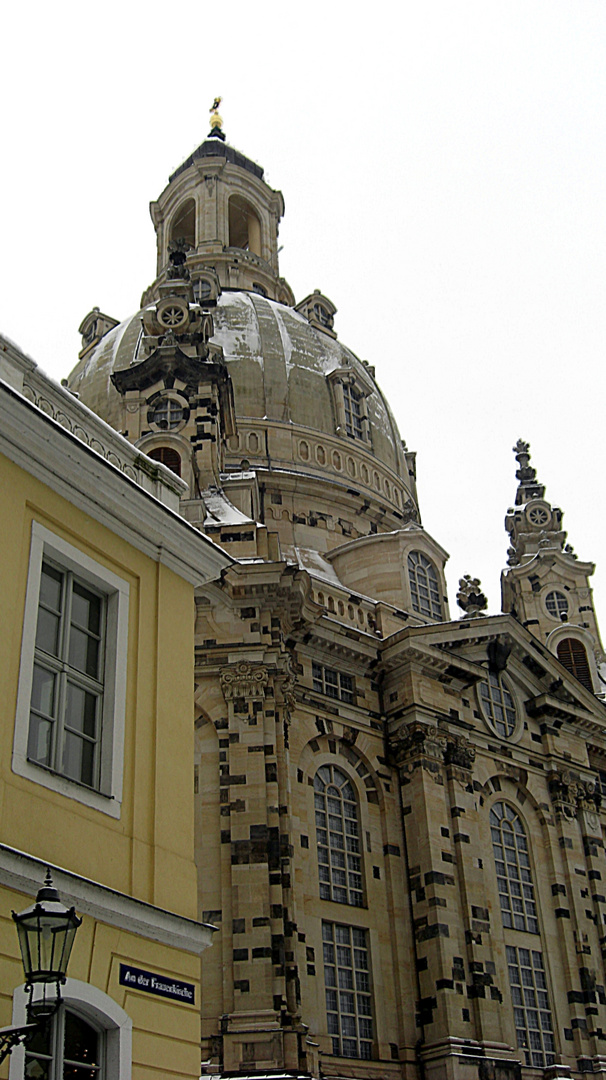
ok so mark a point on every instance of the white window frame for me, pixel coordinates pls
(108, 799)
(97, 1009)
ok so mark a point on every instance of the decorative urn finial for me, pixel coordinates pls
(470, 597)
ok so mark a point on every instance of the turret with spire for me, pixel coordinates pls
(546, 586)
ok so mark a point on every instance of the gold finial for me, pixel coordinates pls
(215, 120)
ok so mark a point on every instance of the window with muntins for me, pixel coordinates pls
(498, 705)
(424, 586)
(556, 604)
(347, 983)
(334, 684)
(532, 1014)
(68, 1047)
(352, 403)
(338, 837)
(516, 891)
(67, 687)
(527, 977)
(71, 700)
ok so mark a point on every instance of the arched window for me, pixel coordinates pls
(498, 705)
(183, 225)
(68, 1047)
(244, 226)
(166, 456)
(424, 586)
(516, 891)
(527, 977)
(338, 837)
(573, 655)
(89, 1038)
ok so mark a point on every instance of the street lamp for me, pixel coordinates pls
(46, 933)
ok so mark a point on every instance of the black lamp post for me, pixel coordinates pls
(46, 933)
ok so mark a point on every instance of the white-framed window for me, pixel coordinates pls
(338, 837)
(332, 683)
(348, 993)
(69, 723)
(89, 1038)
(68, 1047)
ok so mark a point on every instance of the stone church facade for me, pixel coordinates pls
(399, 820)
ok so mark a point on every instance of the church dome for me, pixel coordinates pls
(286, 443)
(286, 375)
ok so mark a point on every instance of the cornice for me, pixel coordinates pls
(25, 874)
(42, 447)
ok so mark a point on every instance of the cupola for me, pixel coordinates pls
(218, 204)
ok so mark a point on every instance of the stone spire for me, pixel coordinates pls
(545, 586)
(534, 525)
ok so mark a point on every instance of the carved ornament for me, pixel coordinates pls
(244, 680)
(570, 793)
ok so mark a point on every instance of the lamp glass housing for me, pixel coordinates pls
(46, 933)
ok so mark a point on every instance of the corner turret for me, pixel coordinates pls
(546, 587)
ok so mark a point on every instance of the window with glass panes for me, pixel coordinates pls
(67, 688)
(556, 604)
(338, 837)
(167, 414)
(527, 978)
(424, 586)
(68, 1047)
(516, 891)
(347, 983)
(352, 402)
(532, 1014)
(334, 684)
(498, 705)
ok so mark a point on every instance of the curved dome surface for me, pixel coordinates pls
(278, 364)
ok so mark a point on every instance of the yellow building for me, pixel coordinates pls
(97, 575)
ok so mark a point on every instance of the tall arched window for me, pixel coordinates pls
(338, 837)
(527, 978)
(424, 586)
(183, 225)
(244, 226)
(573, 655)
(516, 891)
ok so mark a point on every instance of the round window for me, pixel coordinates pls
(556, 604)
(498, 706)
(168, 414)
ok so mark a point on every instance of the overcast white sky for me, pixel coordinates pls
(443, 166)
